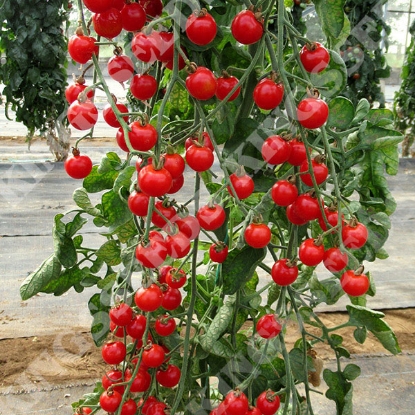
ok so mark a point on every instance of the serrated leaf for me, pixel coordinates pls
(124, 178)
(341, 113)
(297, 364)
(372, 320)
(340, 391)
(127, 231)
(110, 253)
(115, 211)
(71, 228)
(362, 109)
(49, 270)
(327, 291)
(101, 322)
(81, 198)
(331, 14)
(96, 182)
(107, 282)
(67, 279)
(222, 348)
(64, 247)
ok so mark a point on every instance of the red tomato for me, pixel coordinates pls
(201, 28)
(72, 92)
(167, 211)
(189, 225)
(284, 193)
(320, 171)
(148, 299)
(242, 184)
(81, 48)
(199, 158)
(268, 94)
(141, 382)
(82, 116)
(98, 6)
(168, 377)
(246, 28)
(178, 245)
(268, 326)
(257, 235)
(129, 407)
(268, 403)
(137, 326)
(108, 24)
(225, 84)
(116, 331)
(172, 298)
(143, 87)
(306, 207)
(176, 185)
(201, 84)
(284, 272)
(176, 278)
(111, 378)
(354, 235)
(293, 217)
(110, 117)
(166, 46)
(113, 353)
(165, 325)
(138, 203)
(121, 314)
(354, 284)
(151, 255)
(145, 47)
(133, 17)
(298, 152)
(120, 67)
(275, 150)
(236, 403)
(154, 182)
(218, 252)
(78, 166)
(314, 57)
(311, 253)
(331, 216)
(204, 139)
(335, 260)
(174, 163)
(110, 401)
(211, 217)
(153, 8)
(312, 113)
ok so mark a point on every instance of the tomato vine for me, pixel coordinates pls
(282, 180)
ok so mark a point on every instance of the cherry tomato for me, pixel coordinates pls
(137, 326)
(151, 255)
(307, 207)
(177, 184)
(111, 378)
(204, 139)
(138, 203)
(154, 182)
(354, 235)
(110, 401)
(335, 260)
(98, 6)
(293, 217)
(110, 117)
(153, 8)
(331, 216)
(166, 46)
(268, 94)
(165, 325)
(174, 164)
(141, 382)
(116, 331)
(108, 24)
(268, 403)
(298, 152)
(121, 314)
(211, 217)
(320, 171)
(236, 403)
(354, 284)
(143, 87)
(169, 377)
(189, 225)
(199, 158)
(81, 48)
(243, 185)
(314, 57)
(118, 4)
(72, 92)
(201, 84)
(268, 326)
(284, 272)
(311, 253)
(275, 150)
(312, 113)
(113, 353)
(218, 252)
(120, 67)
(78, 166)
(129, 407)
(145, 47)
(225, 84)
(82, 115)
(253, 410)
(246, 28)
(257, 235)
(201, 28)
(133, 17)
(284, 193)
(143, 137)
(172, 298)
(178, 245)
(148, 299)
(166, 210)
(176, 278)
(153, 356)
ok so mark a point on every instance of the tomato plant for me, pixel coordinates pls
(278, 184)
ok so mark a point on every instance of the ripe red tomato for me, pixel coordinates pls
(335, 260)
(314, 57)
(143, 87)
(331, 216)
(268, 403)
(225, 84)
(110, 401)
(306, 207)
(311, 253)
(320, 170)
(141, 382)
(165, 325)
(298, 152)
(176, 278)
(82, 115)
(268, 326)
(133, 17)
(211, 217)
(81, 48)
(201, 84)
(111, 378)
(199, 158)
(257, 235)
(108, 24)
(121, 314)
(148, 299)
(218, 252)
(118, 4)
(201, 28)
(354, 235)
(120, 67)
(176, 185)
(110, 117)
(153, 356)
(154, 182)
(181, 63)
(116, 331)
(168, 377)
(153, 8)
(189, 225)
(178, 245)
(137, 326)
(138, 203)
(78, 166)
(174, 163)
(72, 91)
(354, 284)
(293, 217)
(284, 193)
(243, 185)
(284, 272)
(151, 255)
(98, 6)
(236, 403)
(113, 353)
(204, 139)
(312, 113)
(246, 28)
(268, 94)
(143, 137)
(253, 410)
(145, 47)
(275, 150)
(129, 407)
(172, 298)
(167, 210)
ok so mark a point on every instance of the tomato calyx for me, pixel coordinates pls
(191, 67)
(200, 13)
(313, 93)
(311, 46)
(75, 151)
(360, 270)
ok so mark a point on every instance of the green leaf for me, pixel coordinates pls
(64, 247)
(351, 372)
(126, 232)
(239, 267)
(331, 14)
(224, 123)
(297, 364)
(362, 109)
(115, 210)
(110, 252)
(341, 113)
(81, 198)
(67, 279)
(111, 161)
(124, 179)
(96, 182)
(101, 322)
(372, 320)
(378, 115)
(222, 348)
(49, 270)
(107, 282)
(360, 334)
(327, 291)
(340, 391)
